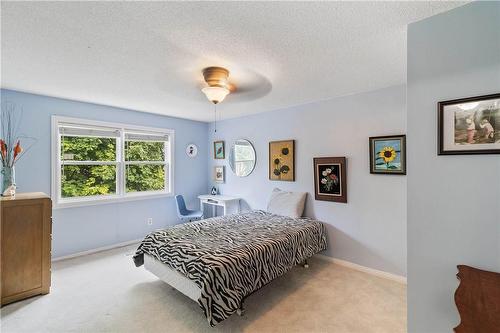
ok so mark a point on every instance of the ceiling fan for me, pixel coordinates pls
(248, 85)
(218, 85)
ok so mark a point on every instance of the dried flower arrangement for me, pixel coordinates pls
(11, 149)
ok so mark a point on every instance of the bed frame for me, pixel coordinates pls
(178, 281)
(172, 277)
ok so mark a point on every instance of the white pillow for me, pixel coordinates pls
(286, 203)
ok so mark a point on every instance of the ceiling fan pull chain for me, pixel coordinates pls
(215, 108)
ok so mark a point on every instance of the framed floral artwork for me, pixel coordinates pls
(469, 126)
(330, 179)
(282, 160)
(219, 174)
(219, 153)
(388, 155)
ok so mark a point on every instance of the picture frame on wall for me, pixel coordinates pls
(219, 174)
(469, 125)
(282, 160)
(192, 150)
(330, 179)
(219, 151)
(388, 154)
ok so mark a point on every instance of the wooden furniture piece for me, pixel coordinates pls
(230, 205)
(25, 237)
(478, 300)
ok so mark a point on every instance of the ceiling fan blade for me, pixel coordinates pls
(250, 92)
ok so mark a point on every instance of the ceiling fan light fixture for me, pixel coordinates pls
(215, 94)
(218, 87)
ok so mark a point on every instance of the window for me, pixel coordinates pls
(97, 162)
(144, 163)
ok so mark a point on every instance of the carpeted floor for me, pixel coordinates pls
(105, 292)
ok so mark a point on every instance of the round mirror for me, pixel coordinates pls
(242, 158)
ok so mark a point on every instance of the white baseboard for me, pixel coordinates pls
(345, 263)
(372, 271)
(99, 249)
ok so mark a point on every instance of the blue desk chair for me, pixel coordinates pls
(185, 214)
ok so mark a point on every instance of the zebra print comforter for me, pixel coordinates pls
(229, 257)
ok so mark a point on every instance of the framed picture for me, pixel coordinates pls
(192, 150)
(219, 153)
(469, 126)
(388, 154)
(282, 160)
(219, 174)
(330, 179)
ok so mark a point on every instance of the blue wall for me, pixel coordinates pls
(85, 228)
(370, 229)
(453, 201)
(360, 232)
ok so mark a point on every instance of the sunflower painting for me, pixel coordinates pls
(388, 154)
(282, 160)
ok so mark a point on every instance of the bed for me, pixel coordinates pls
(220, 261)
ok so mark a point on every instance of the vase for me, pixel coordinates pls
(8, 179)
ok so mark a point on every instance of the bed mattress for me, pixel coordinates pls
(229, 257)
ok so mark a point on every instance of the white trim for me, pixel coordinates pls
(145, 162)
(372, 271)
(113, 125)
(99, 249)
(133, 196)
(73, 162)
(120, 195)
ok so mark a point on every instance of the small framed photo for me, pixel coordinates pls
(469, 126)
(219, 153)
(219, 174)
(388, 154)
(330, 179)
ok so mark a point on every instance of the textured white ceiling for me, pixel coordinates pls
(148, 56)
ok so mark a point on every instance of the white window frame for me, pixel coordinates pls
(121, 194)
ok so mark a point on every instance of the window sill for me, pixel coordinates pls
(112, 200)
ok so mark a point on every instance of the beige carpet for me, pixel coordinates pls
(105, 292)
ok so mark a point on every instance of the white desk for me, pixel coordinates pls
(230, 205)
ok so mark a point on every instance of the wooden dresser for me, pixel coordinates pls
(25, 237)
